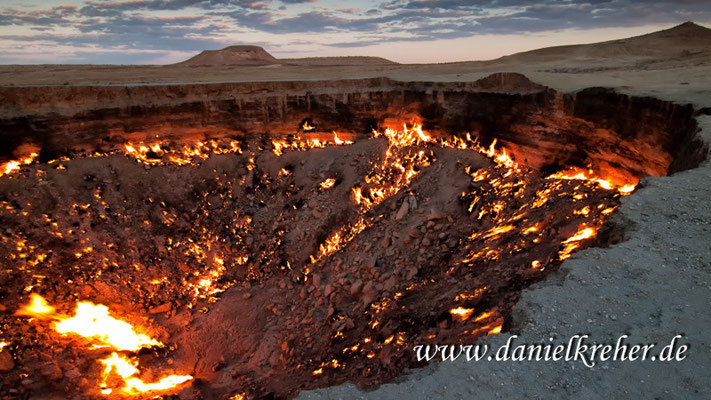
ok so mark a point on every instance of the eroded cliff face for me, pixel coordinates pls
(595, 128)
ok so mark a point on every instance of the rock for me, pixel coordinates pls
(356, 287)
(165, 307)
(435, 215)
(217, 366)
(402, 212)
(412, 201)
(6, 361)
(52, 371)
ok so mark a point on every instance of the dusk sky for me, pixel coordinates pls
(167, 31)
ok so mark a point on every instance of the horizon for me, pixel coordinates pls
(155, 32)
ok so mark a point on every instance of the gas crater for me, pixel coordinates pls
(220, 241)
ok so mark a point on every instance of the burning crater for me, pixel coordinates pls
(222, 262)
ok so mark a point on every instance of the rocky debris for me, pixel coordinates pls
(256, 278)
(165, 307)
(6, 361)
(402, 212)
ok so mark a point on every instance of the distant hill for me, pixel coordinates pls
(232, 55)
(255, 55)
(686, 39)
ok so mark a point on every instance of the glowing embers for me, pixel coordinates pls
(162, 152)
(402, 161)
(518, 211)
(94, 323)
(299, 143)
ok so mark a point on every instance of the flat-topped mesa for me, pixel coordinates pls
(232, 55)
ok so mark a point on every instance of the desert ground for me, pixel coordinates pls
(650, 283)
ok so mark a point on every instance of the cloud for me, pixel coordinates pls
(174, 26)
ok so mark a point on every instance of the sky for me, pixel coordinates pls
(407, 31)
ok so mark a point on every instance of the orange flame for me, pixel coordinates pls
(461, 312)
(14, 165)
(328, 183)
(623, 188)
(93, 322)
(573, 242)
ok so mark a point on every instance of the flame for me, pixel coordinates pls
(301, 144)
(93, 322)
(338, 140)
(461, 312)
(307, 127)
(90, 321)
(623, 187)
(573, 242)
(127, 368)
(14, 165)
(501, 158)
(484, 315)
(328, 183)
(162, 152)
(495, 331)
(397, 169)
(37, 308)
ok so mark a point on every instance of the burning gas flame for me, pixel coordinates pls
(461, 312)
(93, 322)
(307, 127)
(622, 187)
(14, 165)
(328, 183)
(127, 368)
(573, 242)
(90, 321)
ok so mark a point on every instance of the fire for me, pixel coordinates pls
(396, 170)
(328, 183)
(37, 308)
(338, 140)
(461, 312)
(573, 242)
(405, 137)
(162, 152)
(14, 165)
(623, 187)
(307, 127)
(301, 144)
(499, 157)
(93, 322)
(127, 368)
